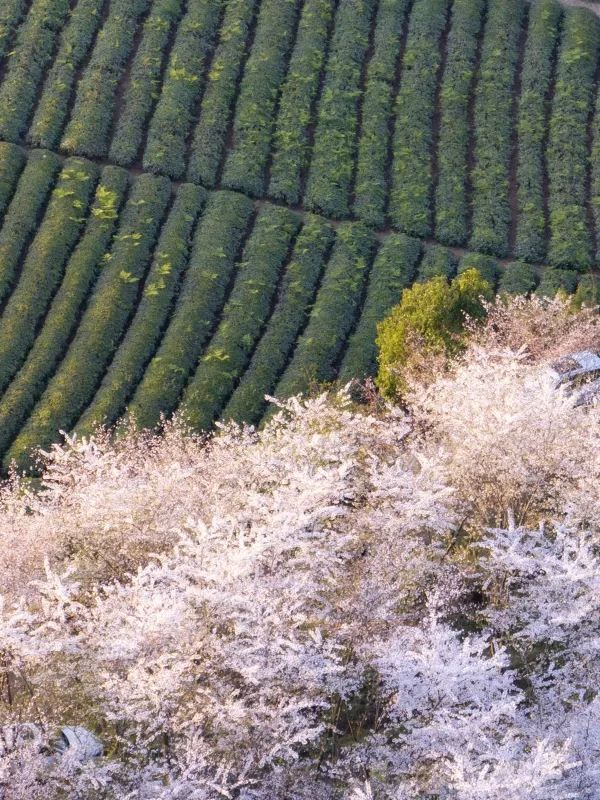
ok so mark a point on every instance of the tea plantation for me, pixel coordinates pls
(206, 201)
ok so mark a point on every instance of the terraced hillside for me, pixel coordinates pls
(203, 201)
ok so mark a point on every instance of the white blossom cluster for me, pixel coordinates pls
(341, 606)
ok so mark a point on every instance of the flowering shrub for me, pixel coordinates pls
(341, 606)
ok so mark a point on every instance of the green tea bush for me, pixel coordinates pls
(437, 260)
(81, 271)
(518, 278)
(73, 385)
(91, 119)
(255, 111)
(488, 267)
(144, 82)
(588, 292)
(208, 144)
(53, 106)
(12, 161)
(331, 167)
(27, 63)
(11, 14)
(542, 35)
(211, 266)
(22, 216)
(595, 178)
(451, 208)
(393, 270)
(410, 207)
(493, 128)
(570, 237)
(143, 334)
(371, 187)
(291, 141)
(182, 89)
(43, 266)
(312, 246)
(333, 314)
(243, 318)
(557, 281)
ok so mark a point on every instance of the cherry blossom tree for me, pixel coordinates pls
(345, 604)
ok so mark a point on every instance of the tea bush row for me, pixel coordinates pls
(334, 312)
(219, 236)
(89, 126)
(43, 265)
(143, 333)
(291, 141)
(392, 271)
(410, 206)
(374, 144)
(63, 316)
(182, 89)
(27, 63)
(493, 128)
(451, 205)
(53, 106)
(331, 168)
(216, 113)
(144, 82)
(243, 318)
(570, 237)
(23, 214)
(254, 121)
(102, 325)
(311, 251)
(542, 37)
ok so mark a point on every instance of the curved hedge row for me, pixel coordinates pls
(43, 266)
(333, 314)
(410, 207)
(102, 324)
(595, 177)
(312, 246)
(518, 278)
(61, 320)
(24, 211)
(27, 63)
(243, 318)
(393, 270)
(91, 119)
(570, 237)
(487, 266)
(437, 260)
(144, 81)
(182, 89)
(216, 112)
(493, 128)
(370, 193)
(143, 334)
(557, 280)
(255, 111)
(11, 14)
(291, 141)
(542, 36)
(50, 115)
(331, 167)
(12, 161)
(451, 206)
(214, 251)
